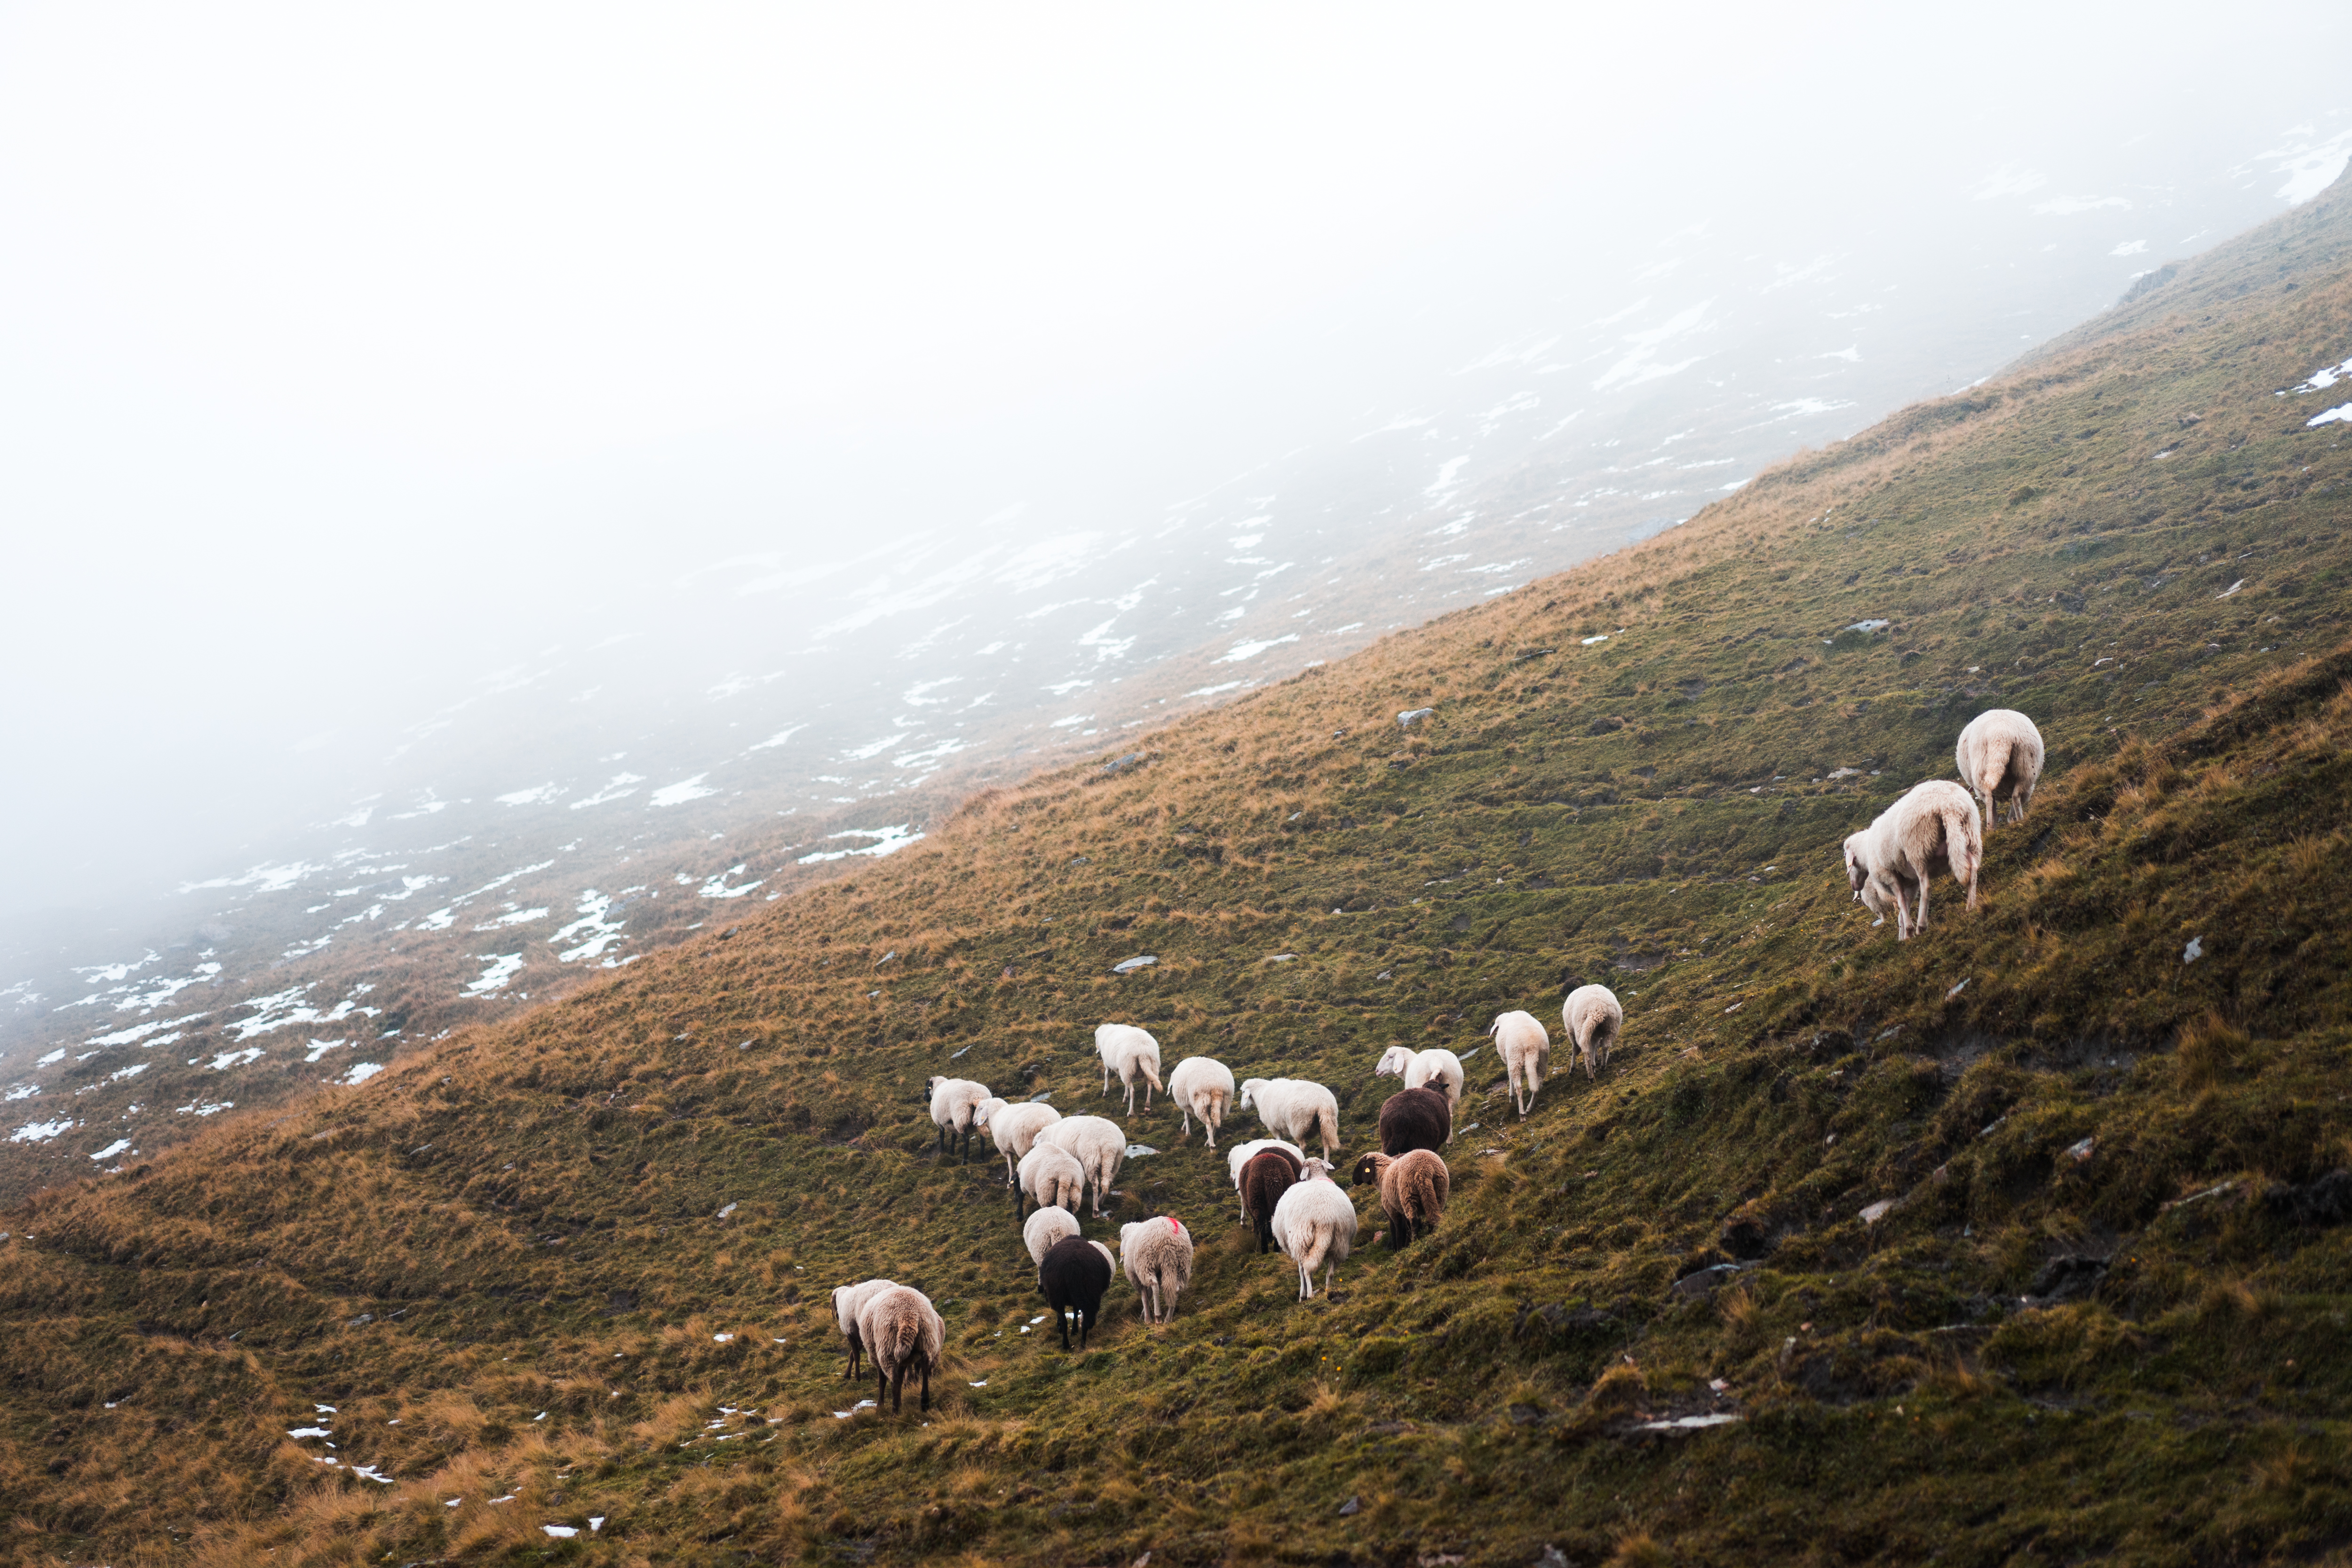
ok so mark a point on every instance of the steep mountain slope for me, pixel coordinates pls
(2024, 1239)
(595, 792)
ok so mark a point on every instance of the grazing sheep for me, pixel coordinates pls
(1012, 1128)
(1435, 1068)
(1074, 1275)
(1295, 1109)
(1099, 1146)
(1269, 1173)
(1524, 1045)
(847, 1303)
(904, 1334)
(1240, 1155)
(1413, 1190)
(1593, 1019)
(1933, 827)
(1999, 755)
(1314, 1225)
(1157, 1256)
(1051, 1177)
(1044, 1228)
(1202, 1087)
(1415, 1119)
(954, 1101)
(1128, 1051)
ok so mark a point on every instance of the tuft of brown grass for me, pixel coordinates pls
(1640, 1549)
(2209, 1048)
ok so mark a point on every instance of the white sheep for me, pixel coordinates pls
(1433, 1068)
(1049, 1176)
(1294, 1108)
(1099, 1146)
(849, 1301)
(903, 1333)
(954, 1100)
(1044, 1228)
(1933, 827)
(2000, 756)
(1158, 1256)
(1314, 1225)
(1012, 1128)
(1202, 1087)
(1240, 1155)
(1524, 1045)
(1128, 1051)
(1593, 1019)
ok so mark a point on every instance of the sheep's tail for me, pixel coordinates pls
(1151, 1073)
(1992, 765)
(1328, 1121)
(1963, 848)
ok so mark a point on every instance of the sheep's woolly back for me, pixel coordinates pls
(1593, 1019)
(1098, 1144)
(1157, 1256)
(1127, 1051)
(1315, 1225)
(1296, 1109)
(1240, 1155)
(901, 1331)
(1041, 1230)
(2000, 756)
(1415, 1118)
(1415, 1185)
(954, 1101)
(1935, 827)
(1052, 1177)
(850, 1299)
(1202, 1087)
(1524, 1045)
(1014, 1129)
(1437, 1068)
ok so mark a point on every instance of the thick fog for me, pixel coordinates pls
(457, 405)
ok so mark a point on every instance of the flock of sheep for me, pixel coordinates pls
(1055, 1163)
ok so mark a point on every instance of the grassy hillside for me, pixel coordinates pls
(2040, 1244)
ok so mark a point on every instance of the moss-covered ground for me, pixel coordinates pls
(2023, 1241)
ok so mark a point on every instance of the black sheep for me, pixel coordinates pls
(1075, 1275)
(1268, 1174)
(1415, 1118)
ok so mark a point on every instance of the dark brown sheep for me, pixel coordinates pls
(1415, 1119)
(1075, 1275)
(1268, 1175)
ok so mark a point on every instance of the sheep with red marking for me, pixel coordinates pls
(1413, 1188)
(1158, 1256)
(2000, 756)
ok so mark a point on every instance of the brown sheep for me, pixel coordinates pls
(903, 1334)
(1413, 1186)
(1415, 1118)
(1269, 1173)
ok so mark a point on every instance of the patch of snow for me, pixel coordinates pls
(541, 794)
(41, 1131)
(1214, 690)
(501, 968)
(513, 918)
(2129, 248)
(360, 1073)
(134, 1070)
(597, 933)
(201, 1108)
(228, 1060)
(717, 887)
(119, 1146)
(2339, 415)
(681, 792)
(779, 738)
(887, 841)
(1246, 650)
(619, 787)
(440, 919)
(320, 1047)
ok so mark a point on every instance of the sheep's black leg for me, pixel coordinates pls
(927, 1388)
(1063, 1319)
(899, 1392)
(881, 1383)
(855, 1347)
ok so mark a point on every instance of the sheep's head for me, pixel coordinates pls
(1250, 1086)
(1856, 872)
(983, 1110)
(1368, 1169)
(1392, 1060)
(1314, 1170)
